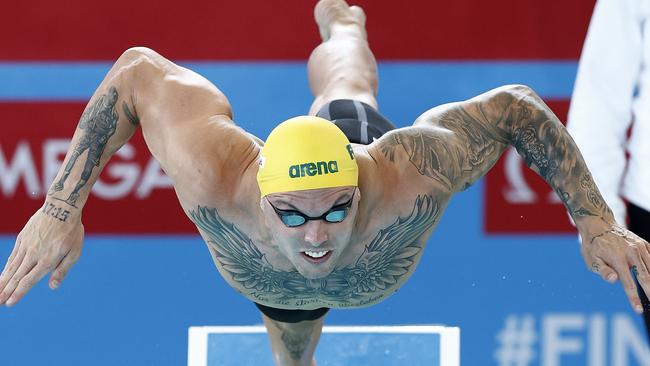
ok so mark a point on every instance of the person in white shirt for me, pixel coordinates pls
(610, 95)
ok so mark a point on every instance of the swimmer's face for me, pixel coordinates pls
(314, 248)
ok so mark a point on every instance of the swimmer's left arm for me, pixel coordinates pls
(454, 145)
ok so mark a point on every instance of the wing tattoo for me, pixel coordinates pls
(391, 253)
(386, 261)
(234, 250)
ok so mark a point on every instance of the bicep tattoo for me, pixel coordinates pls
(454, 151)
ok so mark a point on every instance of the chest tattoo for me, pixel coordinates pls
(382, 265)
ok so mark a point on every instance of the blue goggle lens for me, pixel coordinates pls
(336, 216)
(293, 220)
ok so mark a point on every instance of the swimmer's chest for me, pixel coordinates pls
(389, 257)
(377, 274)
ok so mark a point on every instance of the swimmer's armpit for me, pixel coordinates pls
(131, 116)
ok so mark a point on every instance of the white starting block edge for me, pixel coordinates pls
(449, 338)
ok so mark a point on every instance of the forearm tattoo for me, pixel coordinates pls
(98, 123)
(463, 141)
(620, 232)
(377, 272)
(548, 149)
(55, 211)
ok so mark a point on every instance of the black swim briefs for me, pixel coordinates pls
(361, 123)
(291, 316)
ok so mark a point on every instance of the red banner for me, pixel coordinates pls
(132, 195)
(81, 30)
(517, 200)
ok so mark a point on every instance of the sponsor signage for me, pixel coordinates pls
(554, 339)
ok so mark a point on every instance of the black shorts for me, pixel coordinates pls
(362, 124)
(291, 316)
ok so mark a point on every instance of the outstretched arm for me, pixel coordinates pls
(52, 238)
(455, 144)
(173, 106)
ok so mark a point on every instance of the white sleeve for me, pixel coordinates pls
(601, 106)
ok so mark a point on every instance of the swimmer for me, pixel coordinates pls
(334, 209)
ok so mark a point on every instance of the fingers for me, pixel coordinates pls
(639, 257)
(629, 287)
(12, 257)
(62, 269)
(26, 283)
(13, 254)
(606, 272)
(26, 266)
(25, 277)
(10, 270)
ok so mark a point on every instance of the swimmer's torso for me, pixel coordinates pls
(213, 165)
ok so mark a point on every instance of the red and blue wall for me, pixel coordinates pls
(504, 264)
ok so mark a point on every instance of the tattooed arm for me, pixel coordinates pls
(173, 106)
(52, 238)
(455, 144)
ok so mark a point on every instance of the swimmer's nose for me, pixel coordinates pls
(315, 232)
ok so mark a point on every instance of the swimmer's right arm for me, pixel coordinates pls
(141, 89)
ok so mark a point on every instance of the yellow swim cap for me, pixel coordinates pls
(306, 152)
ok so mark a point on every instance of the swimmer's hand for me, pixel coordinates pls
(49, 242)
(612, 251)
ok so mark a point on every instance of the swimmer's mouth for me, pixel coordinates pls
(317, 256)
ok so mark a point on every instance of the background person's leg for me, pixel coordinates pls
(342, 66)
(640, 225)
